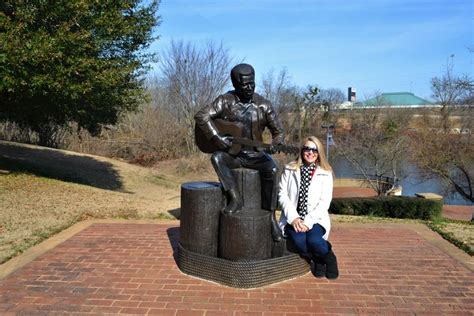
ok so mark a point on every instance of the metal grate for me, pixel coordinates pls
(241, 274)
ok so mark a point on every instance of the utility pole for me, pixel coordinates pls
(329, 140)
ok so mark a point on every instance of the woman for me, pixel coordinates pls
(305, 195)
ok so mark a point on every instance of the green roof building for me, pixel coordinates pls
(395, 99)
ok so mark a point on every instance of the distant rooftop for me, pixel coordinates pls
(396, 98)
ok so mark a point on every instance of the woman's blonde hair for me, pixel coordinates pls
(321, 161)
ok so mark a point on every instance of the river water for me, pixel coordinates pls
(411, 184)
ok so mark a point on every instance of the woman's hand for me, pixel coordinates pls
(299, 226)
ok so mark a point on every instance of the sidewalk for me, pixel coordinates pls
(127, 267)
(458, 212)
(342, 192)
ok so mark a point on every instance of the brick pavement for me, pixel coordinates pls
(128, 268)
(458, 212)
(342, 192)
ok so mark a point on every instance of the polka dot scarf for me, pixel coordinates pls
(306, 175)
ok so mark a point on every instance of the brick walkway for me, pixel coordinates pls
(128, 268)
(458, 212)
(341, 192)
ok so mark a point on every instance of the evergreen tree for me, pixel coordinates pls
(69, 61)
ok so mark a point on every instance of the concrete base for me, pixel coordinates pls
(430, 196)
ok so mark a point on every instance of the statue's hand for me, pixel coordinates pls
(277, 141)
(273, 150)
(276, 146)
(223, 143)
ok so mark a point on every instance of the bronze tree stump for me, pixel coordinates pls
(201, 204)
(232, 249)
(245, 235)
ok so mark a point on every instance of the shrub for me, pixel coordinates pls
(388, 206)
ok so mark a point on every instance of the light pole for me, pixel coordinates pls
(329, 141)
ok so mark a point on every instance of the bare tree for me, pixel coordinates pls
(144, 137)
(194, 76)
(376, 145)
(304, 116)
(451, 89)
(331, 97)
(447, 156)
(301, 110)
(277, 88)
(444, 142)
(285, 98)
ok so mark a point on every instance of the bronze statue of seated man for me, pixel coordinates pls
(252, 113)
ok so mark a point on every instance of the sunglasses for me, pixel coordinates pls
(308, 149)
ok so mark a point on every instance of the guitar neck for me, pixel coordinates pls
(249, 142)
(253, 143)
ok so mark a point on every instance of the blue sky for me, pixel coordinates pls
(372, 45)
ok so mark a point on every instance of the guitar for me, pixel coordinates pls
(234, 130)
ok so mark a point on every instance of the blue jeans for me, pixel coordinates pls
(310, 242)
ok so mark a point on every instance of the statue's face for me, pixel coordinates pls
(245, 87)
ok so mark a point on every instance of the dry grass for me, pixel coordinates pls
(32, 207)
(336, 218)
(43, 191)
(459, 233)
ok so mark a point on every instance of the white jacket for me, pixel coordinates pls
(319, 198)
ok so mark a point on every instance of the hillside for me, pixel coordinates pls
(44, 190)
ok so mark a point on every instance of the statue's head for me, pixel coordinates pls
(243, 80)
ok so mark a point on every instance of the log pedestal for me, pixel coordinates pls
(232, 249)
